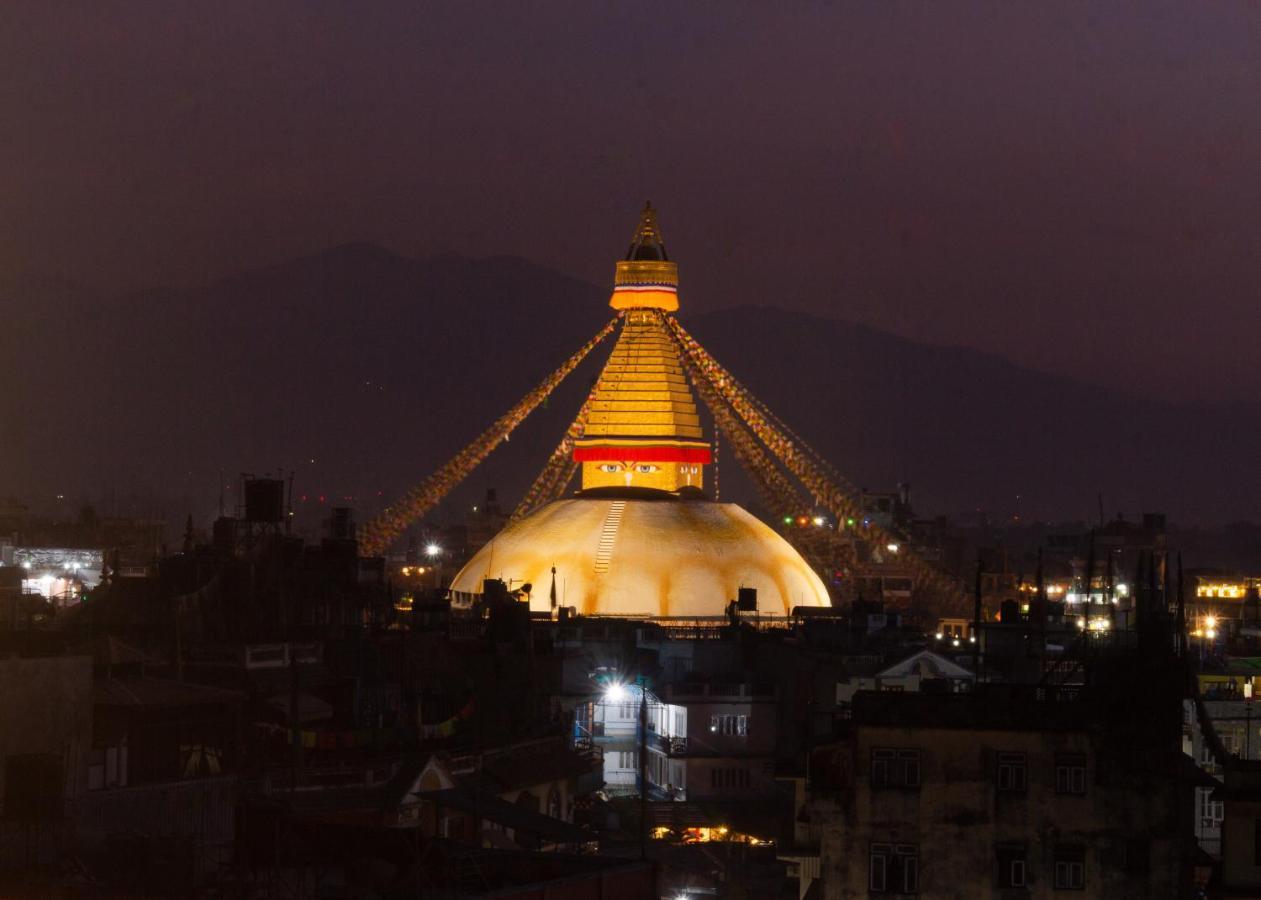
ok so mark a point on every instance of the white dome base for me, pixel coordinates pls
(641, 557)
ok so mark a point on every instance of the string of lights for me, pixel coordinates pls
(377, 535)
(777, 492)
(558, 470)
(799, 459)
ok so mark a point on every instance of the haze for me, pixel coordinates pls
(1073, 187)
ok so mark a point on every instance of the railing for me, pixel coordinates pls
(669, 745)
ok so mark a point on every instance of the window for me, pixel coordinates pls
(627, 759)
(1012, 773)
(895, 768)
(1070, 868)
(728, 778)
(729, 724)
(893, 869)
(1206, 755)
(1070, 773)
(1210, 810)
(1011, 866)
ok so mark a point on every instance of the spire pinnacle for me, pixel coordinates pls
(646, 279)
(647, 242)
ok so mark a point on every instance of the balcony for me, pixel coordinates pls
(670, 746)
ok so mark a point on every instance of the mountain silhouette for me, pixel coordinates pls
(361, 370)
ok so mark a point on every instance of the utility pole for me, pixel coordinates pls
(643, 768)
(976, 623)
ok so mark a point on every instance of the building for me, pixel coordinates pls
(45, 742)
(1004, 791)
(641, 537)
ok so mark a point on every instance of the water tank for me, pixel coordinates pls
(264, 500)
(746, 599)
(341, 525)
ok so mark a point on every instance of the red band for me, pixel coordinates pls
(643, 454)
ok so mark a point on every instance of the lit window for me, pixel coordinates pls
(729, 724)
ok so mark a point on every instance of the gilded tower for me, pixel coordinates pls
(643, 429)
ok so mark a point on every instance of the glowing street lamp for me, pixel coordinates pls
(616, 692)
(432, 550)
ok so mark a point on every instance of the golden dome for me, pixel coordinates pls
(617, 555)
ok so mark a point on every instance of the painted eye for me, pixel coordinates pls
(609, 467)
(647, 469)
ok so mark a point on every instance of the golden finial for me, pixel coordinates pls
(647, 242)
(646, 279)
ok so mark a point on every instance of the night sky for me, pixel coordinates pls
(1074, 186)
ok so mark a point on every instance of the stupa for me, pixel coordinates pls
(641, 537)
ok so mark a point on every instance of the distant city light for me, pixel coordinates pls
(892, 548)
(432, 549)
(818, 520)
(938, 635)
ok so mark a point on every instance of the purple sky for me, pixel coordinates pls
(1075, 186)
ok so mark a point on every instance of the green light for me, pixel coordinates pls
(849, 522)
(788, 520)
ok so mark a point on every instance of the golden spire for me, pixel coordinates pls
(646, 279)
(647, 242)
(643, 429)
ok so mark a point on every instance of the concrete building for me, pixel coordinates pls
(45, 739)
(1001, 792)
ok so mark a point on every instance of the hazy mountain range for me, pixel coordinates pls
(361, 370)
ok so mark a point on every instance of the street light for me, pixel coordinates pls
(616, 693)
(432, 549)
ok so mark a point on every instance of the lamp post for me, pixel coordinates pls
(643, 769)
(613, 694)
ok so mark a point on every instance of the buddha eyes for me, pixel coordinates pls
(609, 467)
(646, 469)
